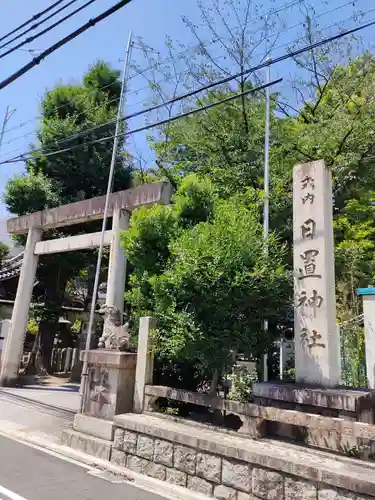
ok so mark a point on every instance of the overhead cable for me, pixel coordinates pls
(146, 127)
(195, 46)
(36, 25)
(209, 86)
(33, 18)
(62, 42)
(48, 29)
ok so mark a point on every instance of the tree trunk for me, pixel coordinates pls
(31, 368)
(47, 331)
(214, 384)
(55, 290)
(90, 287)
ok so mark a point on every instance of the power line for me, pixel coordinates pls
(270, 62)
(62, 42)
(99, 106)
(34, 26)
(33, 18)
(85, 132)
(147, 127)
(165, 60)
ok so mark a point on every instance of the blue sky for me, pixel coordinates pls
(149, 19)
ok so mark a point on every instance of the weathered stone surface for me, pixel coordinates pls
(267, 485)
(156, 471)
(137, 464)
(118, 458)
(300, 462)
(209, 467)
(199, 485)
(96, 447)
(176, 477)
(145, 447)
(130, 442)
(97, 427)
(299, 490)
(118, 442)
(224, 493)
(334, 494)
(85, 210)
(246, 496)
(236, 474)
(184, 459)
(163, 453)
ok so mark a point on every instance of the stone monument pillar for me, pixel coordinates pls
(12, 357)
(368, 296)
(317, 342)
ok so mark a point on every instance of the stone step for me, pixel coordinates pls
(97, 447)
(290, 460)
(93, 426)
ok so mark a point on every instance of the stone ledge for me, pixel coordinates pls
(96, 427)
(99, 448)
(350, 400)
(348, 474)
(348, 428)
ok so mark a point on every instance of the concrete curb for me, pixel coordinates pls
(165, 490)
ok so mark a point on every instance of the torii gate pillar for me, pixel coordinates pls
(13, 353)
(117, 262)
(120, 205)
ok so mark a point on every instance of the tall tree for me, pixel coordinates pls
(79, 170)
(201, 269)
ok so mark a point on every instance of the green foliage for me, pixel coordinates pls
(242, 384)
(69, 176)
(76, 326)
(218, 271)
(32, 327)
(38, 193)
(4, 252)
(223, 144)
(148, 237)
(206, 277)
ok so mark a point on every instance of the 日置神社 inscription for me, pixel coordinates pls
(317, 343)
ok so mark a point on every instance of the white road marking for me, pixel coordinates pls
(6, 494)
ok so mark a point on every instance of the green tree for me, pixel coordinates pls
(79, 170)
(4, 252)
(202, 270)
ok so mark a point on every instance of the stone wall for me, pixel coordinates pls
(213, 475)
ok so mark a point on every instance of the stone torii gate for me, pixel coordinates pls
(120, 205)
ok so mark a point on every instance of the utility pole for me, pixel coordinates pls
(7, 117)
(266, 206)
(84, 377)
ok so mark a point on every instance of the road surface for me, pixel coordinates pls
(30, 474)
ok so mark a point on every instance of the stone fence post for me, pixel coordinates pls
(368, 297)
(145, 362)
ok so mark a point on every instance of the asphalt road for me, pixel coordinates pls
(30, 474)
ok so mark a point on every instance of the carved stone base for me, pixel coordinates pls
(110, 387)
